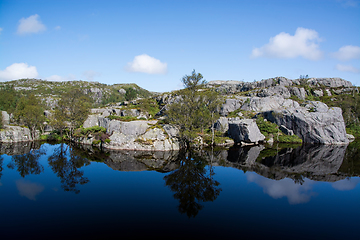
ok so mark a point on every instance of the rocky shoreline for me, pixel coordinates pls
(277, 100)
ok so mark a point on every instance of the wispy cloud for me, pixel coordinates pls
(347, 53)
(57, 28)
(28, 189)
(61, 78)
(1, 30)
(349, 3)
(29, 25)
(146, 64)
(90, 74)
(347, 68)
(304, 43)
(18, 71)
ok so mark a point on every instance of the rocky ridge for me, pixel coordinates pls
(288, 103)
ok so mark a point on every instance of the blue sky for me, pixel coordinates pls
(155, 43)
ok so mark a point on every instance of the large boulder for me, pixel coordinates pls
(135, 135)
(245, 130)
(15, 134)
(315, 122)
(5, 117)
(154, 139)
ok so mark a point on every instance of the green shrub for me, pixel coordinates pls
(44, 137)
(122, 118)
(93, 129)
(266, 127)
(353, 130)
(289, 139)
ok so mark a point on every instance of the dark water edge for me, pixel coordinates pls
(78, 192)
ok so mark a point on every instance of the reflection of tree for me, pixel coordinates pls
(298, 178)
(27, 163)
(65, 166)
(191, 184)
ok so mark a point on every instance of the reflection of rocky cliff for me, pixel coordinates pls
(18, 148)
(316, 162)
(142, 160)
(123, 160)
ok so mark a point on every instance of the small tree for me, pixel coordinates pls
(194, 110)
(71, 111)
(130, 94)
(30, 113)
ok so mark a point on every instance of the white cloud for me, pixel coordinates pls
(57, 28)
(31, 24)
(61, 78)
(347, 68)
(146, 64)
(17, 71)
(1, 30)
(90, 74)
(295, 193)
(303, 44)
(29, 189)
(346, 53)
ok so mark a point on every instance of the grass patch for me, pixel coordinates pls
(268, 129)
(123, 118)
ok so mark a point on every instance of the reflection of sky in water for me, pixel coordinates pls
(295, 193)
(346, 184)
(28, 189)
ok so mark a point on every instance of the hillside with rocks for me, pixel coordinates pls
(311, 111)
(99, 93)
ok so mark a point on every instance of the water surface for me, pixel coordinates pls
(61, 191)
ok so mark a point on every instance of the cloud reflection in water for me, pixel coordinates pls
(295, 193)
(28, 189)
(346, 184)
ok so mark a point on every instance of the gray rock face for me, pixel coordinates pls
(245, 130)
(154, 139)
(122, 91)
(318, 93)
(314, 123)
(133, 128)
(5, 117)
(286, 130)
(92, 120)
(277, 90)
(298, 92)
(222, 125)
(134, 135)
(329, 82)
(231, 105)
(257, 104)
(171, 130)
(15, 134)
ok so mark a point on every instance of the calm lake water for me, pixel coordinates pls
(57, 191)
